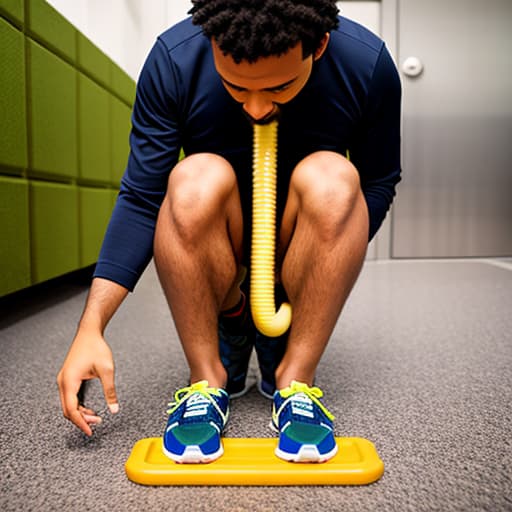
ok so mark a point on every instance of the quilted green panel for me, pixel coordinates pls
(122, 84)
(51, 28)
(54, 229)
(94, 129)
(120, 125)
(13, 133)
(95, 210)
(113, 198)
(53, 101)
(93, 61)
(13, 10)
(14, 235)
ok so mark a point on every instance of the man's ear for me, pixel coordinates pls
(321, 47)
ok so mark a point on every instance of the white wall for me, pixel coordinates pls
(126, 29)
(367, 13)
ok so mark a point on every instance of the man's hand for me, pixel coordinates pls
(89, 357)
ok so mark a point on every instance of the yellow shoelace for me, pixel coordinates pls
(313, 393)
(200, 387)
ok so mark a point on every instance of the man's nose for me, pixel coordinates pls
(258, 107)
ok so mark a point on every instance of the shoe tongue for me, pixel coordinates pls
(302, 405)
(301, 397)
(197, 405)
(197, 398)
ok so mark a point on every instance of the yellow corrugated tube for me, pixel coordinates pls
(264, 193)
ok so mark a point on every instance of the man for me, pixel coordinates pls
(336, 93)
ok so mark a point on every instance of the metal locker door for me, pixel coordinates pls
(455, 199)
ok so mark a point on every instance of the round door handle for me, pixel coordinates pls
(412, 66)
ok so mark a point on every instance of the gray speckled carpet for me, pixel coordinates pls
(420, 363)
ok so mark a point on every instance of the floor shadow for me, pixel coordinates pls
(22, 304)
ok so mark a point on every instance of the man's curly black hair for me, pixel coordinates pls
(249, 29)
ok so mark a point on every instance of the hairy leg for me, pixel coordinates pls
(323, 241)
(197, 247)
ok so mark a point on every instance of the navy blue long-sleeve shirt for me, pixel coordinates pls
(350, 104)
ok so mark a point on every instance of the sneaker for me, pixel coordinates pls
(304, 424)
(197, 418)
(236, 341)
(270, 352)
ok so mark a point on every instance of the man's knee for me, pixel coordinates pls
(328, 187)
(198, 189)
(325, 175)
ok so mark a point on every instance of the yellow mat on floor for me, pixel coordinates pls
(252, 462)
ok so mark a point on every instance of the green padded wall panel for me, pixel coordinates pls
(13, 132)
(14, 235)
(120, 125)
(54, 230)
(51, 28)
(93, 61)
(94, 130)
(53, 104)
(122, 84)
(13, 10)
(113, 198)
(95, 210)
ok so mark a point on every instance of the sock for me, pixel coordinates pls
(234, 318)
(237, 309)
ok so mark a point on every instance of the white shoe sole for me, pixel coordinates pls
(193, 455)
(264, 393)
(307, 453)
(250, 381)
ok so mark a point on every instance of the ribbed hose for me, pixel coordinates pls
(264, 193)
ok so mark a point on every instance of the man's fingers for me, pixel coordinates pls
(109, 389)
(77, 418)
(86, 410)
(70, 406)
(92, 419)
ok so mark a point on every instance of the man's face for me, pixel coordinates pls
(261, 86)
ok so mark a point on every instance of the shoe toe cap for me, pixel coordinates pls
(297, 435)
(179, 437)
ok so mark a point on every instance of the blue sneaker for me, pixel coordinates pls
(304, 424)
(197, 418)
(236, 341)
(270, 352)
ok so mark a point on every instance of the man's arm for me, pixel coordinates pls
(376, 153)
(90, 356)
(128, 242)
(155, 143)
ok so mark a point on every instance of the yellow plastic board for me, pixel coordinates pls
(252, 462)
